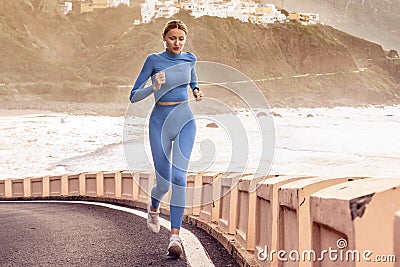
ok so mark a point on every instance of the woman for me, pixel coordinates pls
(172, 127)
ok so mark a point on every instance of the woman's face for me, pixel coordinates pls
(175, 40)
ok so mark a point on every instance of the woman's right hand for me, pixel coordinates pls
(159, 80)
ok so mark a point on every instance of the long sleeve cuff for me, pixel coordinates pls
(140, 94)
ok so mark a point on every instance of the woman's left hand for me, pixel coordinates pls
(198, 94)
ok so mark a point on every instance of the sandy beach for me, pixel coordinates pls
(22, 112)
(15, 108)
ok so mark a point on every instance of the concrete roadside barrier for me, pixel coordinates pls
(2, 188)
(356, 220)
(93, 184)
(294, 224)
(145, 183)
(211, 192)
(129, 187)
(267, 214)
(193, 194)
(112, 184)
(246, 211)
(17, 187)
(252, 215)
(73, 181)
(37, 187)
(55, 184)
(228, 202)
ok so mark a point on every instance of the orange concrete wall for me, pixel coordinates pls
(193, 194)
(109, 184)
(359, 213)
(90, 180)
(127, 185)
(210, 196)
(267, 217)
(34, 187)
(294, 215)
(2, 188)
(145, 183)
(73, 185)
(246, 211)
(229, 197)
(17, 188)
(55, 185)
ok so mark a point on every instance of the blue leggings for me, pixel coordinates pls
(172, 130)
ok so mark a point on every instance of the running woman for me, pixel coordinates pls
(172, 127)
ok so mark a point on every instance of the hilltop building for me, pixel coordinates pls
(245, 11)
(66, 7)
(155, 9)
(305, 18)
(266, 14)
(81, 6)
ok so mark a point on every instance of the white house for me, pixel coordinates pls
(217, 10)
(249, 8)
(281, 17)
(312, 18)
(166, 11)
(236, 3)
(267, 14)
(200, 10)
(244, 17)
(239, 10)
(148, 10)
(190, 6)
(115, 3)
(66, 8)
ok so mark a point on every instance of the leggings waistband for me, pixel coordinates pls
(161, 103)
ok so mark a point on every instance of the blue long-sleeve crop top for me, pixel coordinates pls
(179, 74)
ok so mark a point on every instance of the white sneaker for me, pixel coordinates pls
(175, 246)
(153, 223)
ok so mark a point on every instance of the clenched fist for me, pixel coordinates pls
(159, 80)
(198, 94)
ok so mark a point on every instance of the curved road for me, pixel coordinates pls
(57, 234)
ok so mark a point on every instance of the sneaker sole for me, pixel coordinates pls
(151, 230)
(174, 252)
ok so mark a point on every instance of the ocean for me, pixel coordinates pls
(326, 142)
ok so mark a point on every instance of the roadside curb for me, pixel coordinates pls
(243, 257)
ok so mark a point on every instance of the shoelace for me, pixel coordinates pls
(154, 216)
(175, 238)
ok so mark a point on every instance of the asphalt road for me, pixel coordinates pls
(57, 234)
